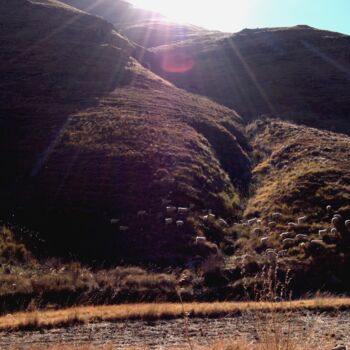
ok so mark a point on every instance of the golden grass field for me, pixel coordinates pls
(65, 317)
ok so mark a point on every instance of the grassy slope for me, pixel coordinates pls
(297, 73)
(91, 135)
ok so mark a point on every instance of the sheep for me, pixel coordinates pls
(337, 216)
(222, 222)
(166, 201)
(252, 221)
(259, 222)
(292, 225)
(276, 216)
(334, 231)
(321, 233)
(302, 245)
(123, 228)
(302, 219)
(168, 221)
(272, 224)
(301, 237)
(171, 209)
(114, 221)
(182, 210)
(288, 241)
(283, 252)
(328, 208)
(204, 218)
(179, 223)
(141, 213)
(264, 239)
(200, 239)
(317, 242)
(347, 223)
(257, 231)
(335, 220)
(284, 235)
(211, 217)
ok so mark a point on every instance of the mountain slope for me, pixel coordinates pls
(146, 28)
(298, 73)
(89, 135)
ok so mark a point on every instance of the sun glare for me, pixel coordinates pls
(225, 15)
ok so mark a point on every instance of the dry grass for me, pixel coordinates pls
(66, 317)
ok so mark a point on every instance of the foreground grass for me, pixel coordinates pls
(66, 317)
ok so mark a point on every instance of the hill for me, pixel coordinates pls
(91, 136)
(298, 73)
(146, 28)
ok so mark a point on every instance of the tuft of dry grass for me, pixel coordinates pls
(66, 317)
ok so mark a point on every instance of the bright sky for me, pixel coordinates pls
(234, 15)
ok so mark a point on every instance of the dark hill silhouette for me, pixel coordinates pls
(90, 135)
(298, 73)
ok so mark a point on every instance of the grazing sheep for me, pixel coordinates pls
(328, 208)
(272, 224)
(179, 223)
(301, 237)
(276, 216)
(285, 235)
(222, 222)
(171, 209)
(252, 221)
(257, 231)
(283, 252)
(200, 239)
(335, 220)
(302, 219)
(123, 228)
(182, 210)
(141, 213)
(347, 223)
(288, 241)
(321, 233)
(317, 243)
(264, 239)
(302, 245)
(211, 217)
(204, 218)
(292, 225)
(259, 222)
(334, 231)
(337, 216)
(168, 221)
(114, 221)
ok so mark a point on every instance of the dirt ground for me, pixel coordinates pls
(316, 329)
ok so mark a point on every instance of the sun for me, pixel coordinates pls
(225, 15)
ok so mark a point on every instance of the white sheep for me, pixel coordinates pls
(288, 241)
(168, 221)
(272, 224)
(259, 222)
(334, 231)
(257, 231)
(335, 220)
(123, 228)
(328, 207)
(179, 223)
(292, 225)
(141, 213)
(321, 233)
(182, 210)
(302, 219)
(301, 237)
(276, 216)
(284, 235)
(347, 223)
(252, 221)
(264, 239)
(222, 222)
(317, 242)
(283, 252)
(211, 217)
(171, 209)
(302, 245)
(200, 239)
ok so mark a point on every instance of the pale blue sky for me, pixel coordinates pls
(234, 15)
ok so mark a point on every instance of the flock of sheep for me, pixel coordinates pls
(292, 238)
